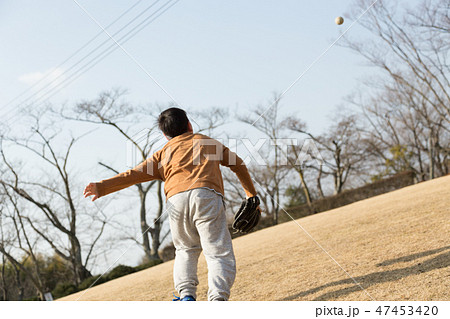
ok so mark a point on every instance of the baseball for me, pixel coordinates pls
(339, 20)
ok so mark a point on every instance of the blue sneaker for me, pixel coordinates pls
(187, 298)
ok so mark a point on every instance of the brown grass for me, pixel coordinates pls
(396, 246)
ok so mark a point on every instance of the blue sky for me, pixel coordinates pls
(229, 53)
(205, 53)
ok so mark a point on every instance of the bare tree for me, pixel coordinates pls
(411, 47)
(270, 176)
(3, 277)
(208, 121)
(110, 109)
(408, 107)
(4, 284)
(295, 153)
(403, 137)
(56, 211)
(340, 151)
(23, 243)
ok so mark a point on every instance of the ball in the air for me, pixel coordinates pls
(339, 20)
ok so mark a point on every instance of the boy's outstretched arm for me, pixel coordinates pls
(144, 172)
(237, 165)
(90, 190)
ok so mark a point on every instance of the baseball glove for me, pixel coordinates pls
(247, 216)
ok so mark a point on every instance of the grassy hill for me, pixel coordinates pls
(396, 246)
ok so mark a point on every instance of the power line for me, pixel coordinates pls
(148, 20)
(102, 55)
(71, 56)
(48, 85)
(107, 53)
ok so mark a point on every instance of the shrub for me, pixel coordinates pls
(63, 289)
(33, 298)
(119, 271)
(148, 264)
(91, 280)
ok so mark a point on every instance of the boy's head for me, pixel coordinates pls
(173, 122)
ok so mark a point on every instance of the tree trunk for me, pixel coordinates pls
(277, 207)
(156, 232)
(275, 211)
(319, 182)
(20, 288)
(80, 271)
(305, 189)
(338, 181)
(431, 152)
(339, 169)
(4, 287)
(144, 226)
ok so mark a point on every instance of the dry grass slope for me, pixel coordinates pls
(396, 246)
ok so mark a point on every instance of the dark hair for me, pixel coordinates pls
(173, 122)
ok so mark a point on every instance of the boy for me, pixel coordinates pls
(189, 166)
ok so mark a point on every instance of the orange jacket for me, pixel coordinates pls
(187, 161)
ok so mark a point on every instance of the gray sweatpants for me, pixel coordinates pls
(198, 221)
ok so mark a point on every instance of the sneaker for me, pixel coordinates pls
(186, 298)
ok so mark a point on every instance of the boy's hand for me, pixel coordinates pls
(91, 189)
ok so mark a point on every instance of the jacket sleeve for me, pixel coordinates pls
(237, 165)
(147, 171)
